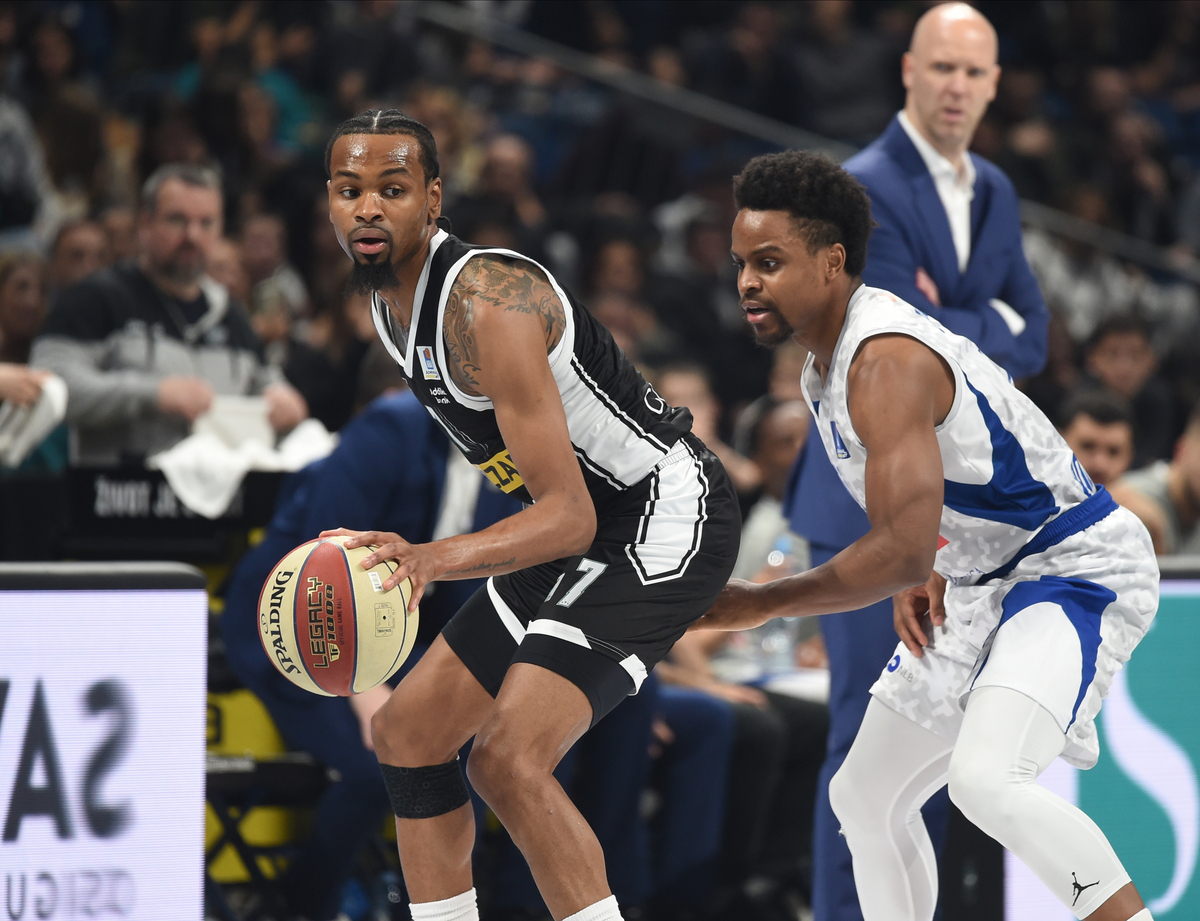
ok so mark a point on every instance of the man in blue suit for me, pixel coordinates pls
(948, 241)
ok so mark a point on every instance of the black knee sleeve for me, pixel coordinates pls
(425, 792)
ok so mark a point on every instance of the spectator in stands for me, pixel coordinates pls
(1120, 358)
(120, 224)
(278, 294)
(846, 73)
(145, 347)
(948, 241)
(22, 305)
(22, 311)
(1166, 496)
(28, 212)
(687, 385)
(80, 248)
(67, 112)
(1099, 428)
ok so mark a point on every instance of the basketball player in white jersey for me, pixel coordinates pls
(630, 531)
(1019, 586)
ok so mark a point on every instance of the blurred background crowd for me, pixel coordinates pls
(623, 191)
(627, 201)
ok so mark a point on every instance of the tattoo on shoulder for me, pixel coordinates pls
(509, 284)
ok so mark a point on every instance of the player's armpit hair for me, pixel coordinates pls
(425, 792)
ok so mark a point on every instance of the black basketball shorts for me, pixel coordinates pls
(663, 551)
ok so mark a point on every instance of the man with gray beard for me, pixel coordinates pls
(144, 346)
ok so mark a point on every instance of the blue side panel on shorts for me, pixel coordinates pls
(1082, 601)
(1012, 495)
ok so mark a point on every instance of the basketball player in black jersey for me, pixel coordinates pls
(631, 530)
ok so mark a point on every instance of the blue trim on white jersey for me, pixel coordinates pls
(1096, 507)
(1012, 496)
(1082, 601)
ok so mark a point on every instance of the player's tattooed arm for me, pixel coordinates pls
(496, 283)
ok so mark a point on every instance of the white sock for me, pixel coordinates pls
(1143, 915)
(459, 908)
(604, 910)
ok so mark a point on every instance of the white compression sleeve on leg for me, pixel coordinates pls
(604, 910)
(458, 908)
(1006, 741)
(893, 767)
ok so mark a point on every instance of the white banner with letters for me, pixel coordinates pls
(102, 709)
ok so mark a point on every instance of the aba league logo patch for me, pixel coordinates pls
(427, 363)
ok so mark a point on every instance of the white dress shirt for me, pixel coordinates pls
(956, 189)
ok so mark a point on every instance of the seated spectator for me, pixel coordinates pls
(22, 304)
(79, 249)
(1120, 358)
(771, 433)
(1099, 428)
(1166, 496)
(22, 311)
(120, 223)
(688, 386)
(778, 749)
(277, 288)
(144, 347)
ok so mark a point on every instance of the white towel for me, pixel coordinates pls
(205, 472)
(23, 428)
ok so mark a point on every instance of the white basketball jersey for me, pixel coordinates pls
(1007, 470)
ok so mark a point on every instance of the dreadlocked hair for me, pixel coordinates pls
(389, 121)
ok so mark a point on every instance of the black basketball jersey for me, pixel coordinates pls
(619, 426)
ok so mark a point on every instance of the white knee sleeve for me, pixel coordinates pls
(893, 767)
(1006, 741)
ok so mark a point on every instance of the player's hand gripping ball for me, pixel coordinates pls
(328, 625)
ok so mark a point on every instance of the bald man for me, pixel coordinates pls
(947, 241)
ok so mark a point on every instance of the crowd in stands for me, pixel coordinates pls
(1098, 114)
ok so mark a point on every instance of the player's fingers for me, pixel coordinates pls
(362, 539)
(336, 532)
(399, 574)
(418, 592)
(937, 610)
(910, 633)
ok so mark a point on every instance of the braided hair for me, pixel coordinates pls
(389, 121)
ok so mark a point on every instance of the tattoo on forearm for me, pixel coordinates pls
(509, 284)
(481, 567)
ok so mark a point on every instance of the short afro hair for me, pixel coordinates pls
(389, 121)
(827, 203)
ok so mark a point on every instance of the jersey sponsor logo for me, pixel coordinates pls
(499, 468)
(942, 542)
(838, 444)
(428, 365)
(894, 664)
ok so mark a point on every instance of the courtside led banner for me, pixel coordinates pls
(1144, 791)
(102, 709)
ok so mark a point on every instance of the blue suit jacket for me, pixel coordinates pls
(913, 232)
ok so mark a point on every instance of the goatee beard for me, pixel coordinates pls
(368, 277)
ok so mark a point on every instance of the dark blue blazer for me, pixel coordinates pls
(913, 232)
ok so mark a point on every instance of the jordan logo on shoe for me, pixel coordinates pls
(1079, 888)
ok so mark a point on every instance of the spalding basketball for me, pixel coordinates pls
(327, 623)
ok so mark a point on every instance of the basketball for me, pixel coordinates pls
(328, 625)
